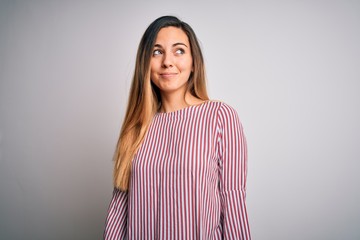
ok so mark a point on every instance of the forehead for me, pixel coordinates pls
(171, 35)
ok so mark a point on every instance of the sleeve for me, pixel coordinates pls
(116, 221)
(232, 152)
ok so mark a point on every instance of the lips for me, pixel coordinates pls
(167, 75)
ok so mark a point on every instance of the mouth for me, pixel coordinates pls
(167, 75)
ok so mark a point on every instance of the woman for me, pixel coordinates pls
(180, 162)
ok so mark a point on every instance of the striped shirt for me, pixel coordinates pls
(188, 179)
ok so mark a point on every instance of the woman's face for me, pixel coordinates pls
(171, 62)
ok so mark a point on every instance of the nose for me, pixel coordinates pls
(167, 60)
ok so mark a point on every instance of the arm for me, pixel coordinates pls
(116, 221)
(233, 170)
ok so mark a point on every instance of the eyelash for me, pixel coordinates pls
(155, 52)
(178, 51)
(181, 51)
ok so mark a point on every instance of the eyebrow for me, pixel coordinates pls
(174, 45)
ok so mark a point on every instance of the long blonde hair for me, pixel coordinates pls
(145, 100)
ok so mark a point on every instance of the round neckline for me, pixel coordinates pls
(182, 109)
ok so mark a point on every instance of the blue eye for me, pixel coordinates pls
(156, 52)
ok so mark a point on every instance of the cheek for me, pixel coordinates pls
(186, 64)
(153, 68)
(155, 63)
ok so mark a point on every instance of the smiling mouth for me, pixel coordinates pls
(168, 75)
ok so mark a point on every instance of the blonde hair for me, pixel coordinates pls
(145, 100)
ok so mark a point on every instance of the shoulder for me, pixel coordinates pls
(217, 110)
(227, 115)
(224, 109)
(220, 105)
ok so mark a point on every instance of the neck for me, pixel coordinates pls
(171, 102)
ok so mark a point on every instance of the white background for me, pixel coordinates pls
(290, 68)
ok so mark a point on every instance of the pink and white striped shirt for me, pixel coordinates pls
(188, 179)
